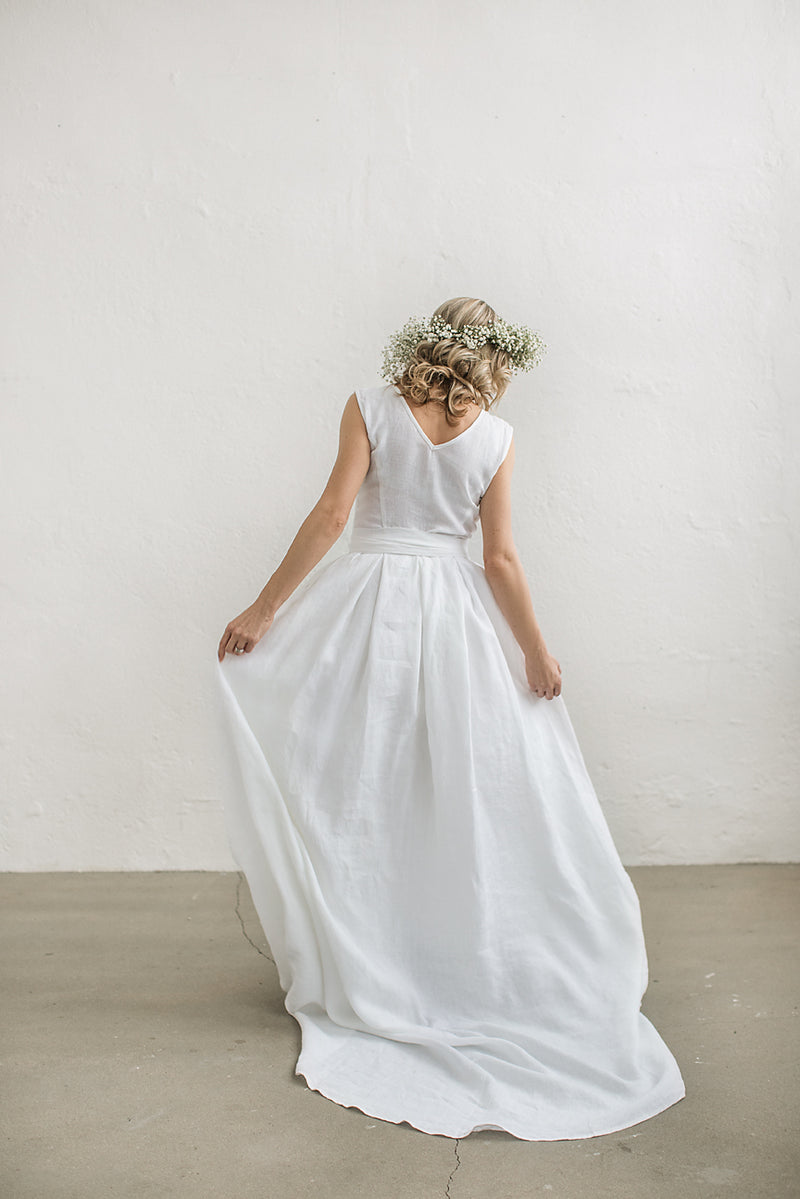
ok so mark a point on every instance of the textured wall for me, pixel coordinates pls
(213, 217)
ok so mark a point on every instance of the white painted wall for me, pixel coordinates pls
(214, 216)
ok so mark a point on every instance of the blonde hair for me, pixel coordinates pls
(467, 376)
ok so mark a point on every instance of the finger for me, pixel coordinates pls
(228, 643)
(240, 644)
(225, 639)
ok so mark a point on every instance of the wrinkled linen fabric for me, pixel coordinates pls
(450, 920)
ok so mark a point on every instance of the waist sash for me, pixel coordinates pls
(393, 539)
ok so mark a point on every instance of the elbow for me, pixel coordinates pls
(333, 519)
(499, 561)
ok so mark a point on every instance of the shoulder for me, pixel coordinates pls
(373, 397)
(500, 441)
(496, 417)
(371, 392)
(373, 389)
(503, 429)
(371, 402)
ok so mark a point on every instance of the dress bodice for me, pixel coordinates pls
(415, 484)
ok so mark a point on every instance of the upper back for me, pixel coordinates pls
(415, 484)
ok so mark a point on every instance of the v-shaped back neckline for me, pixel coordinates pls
(434, 445)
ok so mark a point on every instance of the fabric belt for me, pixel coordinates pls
(393, 539)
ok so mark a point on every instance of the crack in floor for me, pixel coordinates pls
(452, 1172)
(239, 881)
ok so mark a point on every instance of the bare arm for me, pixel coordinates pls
(318, 532)
(506, 577)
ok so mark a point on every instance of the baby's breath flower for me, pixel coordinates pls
(523, 346)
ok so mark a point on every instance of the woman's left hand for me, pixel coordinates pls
(245, 631)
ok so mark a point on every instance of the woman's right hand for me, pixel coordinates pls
(544, 674)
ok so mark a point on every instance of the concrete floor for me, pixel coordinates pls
(147, 1052)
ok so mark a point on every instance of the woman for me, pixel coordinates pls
(450, 920)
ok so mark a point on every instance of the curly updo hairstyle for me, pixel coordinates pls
(465, 376)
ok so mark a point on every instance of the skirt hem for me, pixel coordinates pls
(670, 1097)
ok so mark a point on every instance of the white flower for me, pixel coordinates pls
(523, 345)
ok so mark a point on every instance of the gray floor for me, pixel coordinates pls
(147, 1052)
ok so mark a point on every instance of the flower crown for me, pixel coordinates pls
(523, 346)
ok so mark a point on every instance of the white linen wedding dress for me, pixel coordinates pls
(450, 920)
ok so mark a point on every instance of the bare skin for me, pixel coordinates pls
(434, 422)
(506, 577)
(327, 519)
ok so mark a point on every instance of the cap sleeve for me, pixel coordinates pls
(365, 398)
(502, 441)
